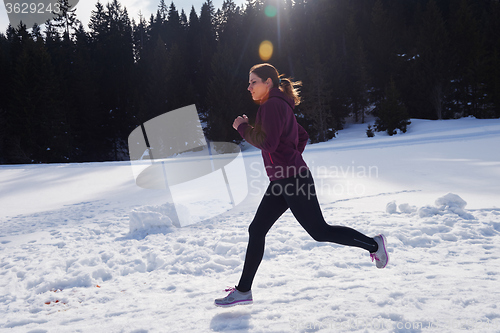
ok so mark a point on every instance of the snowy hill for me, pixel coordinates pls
(82, 248)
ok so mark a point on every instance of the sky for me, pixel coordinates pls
(134, 7)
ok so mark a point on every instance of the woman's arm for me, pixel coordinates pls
(240, 120)
(267, 132)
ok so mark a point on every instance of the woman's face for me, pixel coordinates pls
(258, 88)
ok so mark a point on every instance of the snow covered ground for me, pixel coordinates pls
(83, 249)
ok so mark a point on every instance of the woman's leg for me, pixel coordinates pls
(300, 195)
(270, 209)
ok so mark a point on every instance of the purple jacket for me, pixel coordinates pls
(278, 135)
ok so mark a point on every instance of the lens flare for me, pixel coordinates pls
(271, 11)
(266, 50)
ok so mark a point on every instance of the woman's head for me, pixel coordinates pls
(263, 77)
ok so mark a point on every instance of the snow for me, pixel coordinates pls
(82, 248)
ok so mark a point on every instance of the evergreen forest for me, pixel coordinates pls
(70, 93)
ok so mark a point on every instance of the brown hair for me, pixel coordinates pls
(286, 85)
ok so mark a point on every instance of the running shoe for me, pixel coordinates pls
(235, 297)
(381, 257)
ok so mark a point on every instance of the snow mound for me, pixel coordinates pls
(451, 201)
(447, 204)
(82, 280)
(391, 207)
(153, 219)
(407, 208)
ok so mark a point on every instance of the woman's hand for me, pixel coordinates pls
(240, 120)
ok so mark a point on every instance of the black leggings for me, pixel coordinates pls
(297, 193)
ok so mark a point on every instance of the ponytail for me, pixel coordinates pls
(290, 88)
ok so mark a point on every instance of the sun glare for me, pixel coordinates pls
(271, 11)
(266, 50)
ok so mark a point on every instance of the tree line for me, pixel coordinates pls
(73, 94)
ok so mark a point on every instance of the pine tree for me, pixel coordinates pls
(141, 37)
(184, 20)
(98, 24)
(174, 29)
(431, 65)
(318, 64)
(63, 53)
(163, 10)
(227, 24)
(356, 71)
(66, 18)
(180, 88)
(492, 62)
(316, 105)
(205, 49)
(369, 132)
(391, 113)
(113, 56)
(468, 56)
(86, 118)
(158, 80)
(37, 127)
(381, 48)
(225, 98)
(193, 57)
(5, 69)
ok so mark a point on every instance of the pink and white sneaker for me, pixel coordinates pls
(381, 257)
(235, 297)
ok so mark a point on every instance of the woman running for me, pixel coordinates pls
(282, 141)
